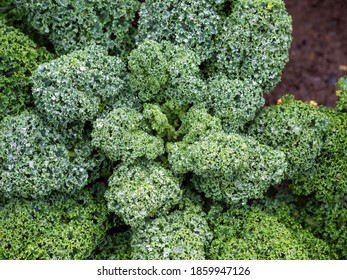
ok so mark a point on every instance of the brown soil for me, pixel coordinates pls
(318, 52)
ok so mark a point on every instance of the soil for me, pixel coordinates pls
(318, 55)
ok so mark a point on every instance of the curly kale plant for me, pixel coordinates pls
(191, 23)
(146, 137)
(142, 190)
(59, 227)
(328, 179)
(71, 25)
(76, 88)
(295, 128)
(327, 221)
(228, 167)
(287, 209)
(253, 42)
(245, 39)
(163, 71)
(196, 123)
(125, 135)
(33, 162)
(325, 210)
(19, 57)
(235, 102)
(252, 234)
(114, 247)
(180, 235)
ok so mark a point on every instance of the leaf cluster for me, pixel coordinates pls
(145, 137)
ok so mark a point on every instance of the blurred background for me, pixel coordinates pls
(318, 56)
